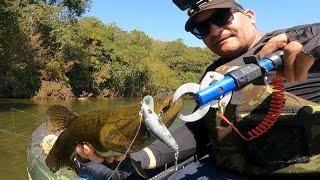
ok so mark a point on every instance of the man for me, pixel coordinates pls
(229, 30)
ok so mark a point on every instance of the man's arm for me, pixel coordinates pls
(308, 36)
(158, 154)
(301, 48)
(155, 155)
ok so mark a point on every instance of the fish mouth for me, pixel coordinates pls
(168, 105)
(171, 107)
(166, 108)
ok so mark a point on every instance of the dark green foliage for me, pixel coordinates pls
(127, 79)
(19, 65)
(81, 80)
(44, 42)
(74, 7)
(188, 63)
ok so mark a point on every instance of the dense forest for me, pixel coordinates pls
(49, 50)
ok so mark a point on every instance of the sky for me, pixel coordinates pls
(162, 20)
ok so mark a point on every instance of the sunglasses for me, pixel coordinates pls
(220, 17)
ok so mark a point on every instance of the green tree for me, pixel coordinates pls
(127, 79)
(45, 45)
(73, 7)
(19, 61)
(81, 80)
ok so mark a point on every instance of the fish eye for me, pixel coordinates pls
(161, 114)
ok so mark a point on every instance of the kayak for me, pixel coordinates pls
(36, 156)
(37, 169)
(37, 152)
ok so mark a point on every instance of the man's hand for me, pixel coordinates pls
(96, 170)
(87, 151)
(296, 63)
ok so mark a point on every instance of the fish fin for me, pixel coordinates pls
(59, 117)
(137, 167)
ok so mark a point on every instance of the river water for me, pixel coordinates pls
(19, 118)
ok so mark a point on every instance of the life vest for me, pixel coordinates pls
(290, 146)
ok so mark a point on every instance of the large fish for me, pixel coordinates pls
(109, 131)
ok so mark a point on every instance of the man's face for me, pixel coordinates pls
(232, 39)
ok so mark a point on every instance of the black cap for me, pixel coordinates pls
(207, 5)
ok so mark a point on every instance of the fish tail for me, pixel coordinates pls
(61, 152)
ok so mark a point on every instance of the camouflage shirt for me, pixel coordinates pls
(286, 144)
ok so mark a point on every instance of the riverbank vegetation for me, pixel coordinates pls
(48, 50)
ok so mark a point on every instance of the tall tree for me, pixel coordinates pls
(74, 7)
(19, 71)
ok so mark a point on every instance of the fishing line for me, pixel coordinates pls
(13, 122)
(24, 113)
(125, 154)
(9, 132)
(14, 126)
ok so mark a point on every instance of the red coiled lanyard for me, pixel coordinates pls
(277, 102)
